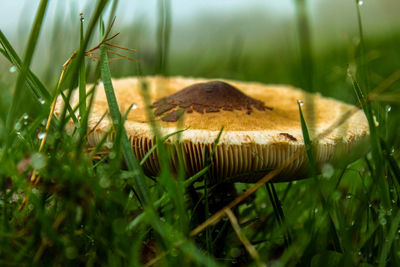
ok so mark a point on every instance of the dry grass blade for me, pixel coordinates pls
(246, 243)
(49, 118)
(117, 54)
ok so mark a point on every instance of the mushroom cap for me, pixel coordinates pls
(261, 124)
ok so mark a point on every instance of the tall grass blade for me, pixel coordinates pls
(131, 162)
(33, 82)
(30, 49)
(163, 35)
(82, 76)
(307, 141)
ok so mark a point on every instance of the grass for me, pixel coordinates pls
(88, 209)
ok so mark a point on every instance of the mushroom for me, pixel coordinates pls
(261, 125)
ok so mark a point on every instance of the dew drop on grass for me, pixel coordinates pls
(360, 2)
(376, 122)
(104, 182)
(388, 108)
(300, 102)
(100, 83)
(42, 101)
(349, 196)
(78, 214)
(38, 160)
(382, 221)
(327, 171)
(41, 136)
(133, 106)
(17, 126)
(71, 252)
(13, 69)
(26, 116)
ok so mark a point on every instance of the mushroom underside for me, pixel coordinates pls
(239, 162)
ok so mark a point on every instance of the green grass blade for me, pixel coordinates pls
(82, 77)
(307, 141)
(139, 180)
(389, 239)
(33, 83)
(307, 66)
(163, 35)
(154, 147)
(30, 49)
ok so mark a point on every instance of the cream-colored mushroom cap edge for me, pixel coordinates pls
(261, 124)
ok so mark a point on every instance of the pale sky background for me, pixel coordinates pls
(200, 26)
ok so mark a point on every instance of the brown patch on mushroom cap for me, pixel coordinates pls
(288, 136)
(206, 97)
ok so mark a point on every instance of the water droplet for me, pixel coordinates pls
(26, 116)
(104, 182)
(382, 221)
(316, 210)
(13, 69)
(263, 205)
(41, 135)
(370, 205)
(360, 2)
(108, 144)
(359, 253)
(38, 160)
(388, 108)
(134, 106)
(352, 223)
(376, 122)
(349, 196)
(42, 101)
(100, 83)
(17, 126)
(300, 102)
(327, 171)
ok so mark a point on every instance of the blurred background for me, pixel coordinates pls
(245, 40)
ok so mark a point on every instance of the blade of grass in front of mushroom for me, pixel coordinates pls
(72, 71)
(154, 147)
(377, 168)
(82, 80)
(174, 188)
(306, 60)
(25, 64)
(278, 211)
(362, 75)
(310, 155)
(140, 185)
